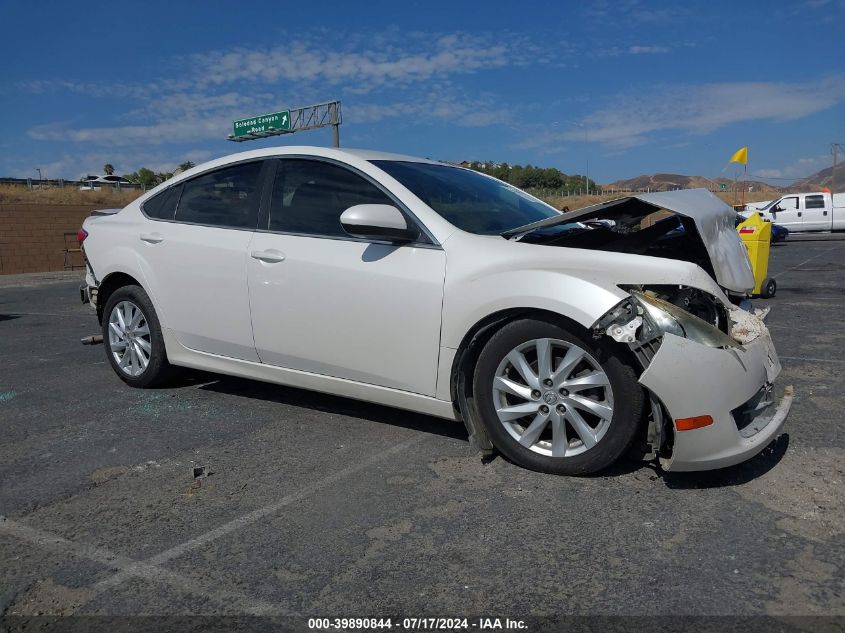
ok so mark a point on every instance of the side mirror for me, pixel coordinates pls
(377, 222)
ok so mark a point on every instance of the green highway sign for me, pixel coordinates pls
(263, 123)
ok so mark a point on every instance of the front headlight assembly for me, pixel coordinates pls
(661, 317)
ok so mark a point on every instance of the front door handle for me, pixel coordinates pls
(269, 257)
(799, 214)
(152, 238)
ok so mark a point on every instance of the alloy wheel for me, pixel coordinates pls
(129, 338)
(553, 397)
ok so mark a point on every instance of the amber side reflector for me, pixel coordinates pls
(688, 424)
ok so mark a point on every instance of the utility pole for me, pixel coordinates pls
(834, 149)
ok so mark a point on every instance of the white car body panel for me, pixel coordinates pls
(383, 323)
(487, 275)
(192, 268)
(688, 375)
(349, 309)
(180, 355)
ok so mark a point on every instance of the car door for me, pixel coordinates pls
(787, 213)
(193, 251)
(327, 303)
(815, 215)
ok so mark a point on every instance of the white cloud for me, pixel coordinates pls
(800, 168)
(410, 72)
(378, 63)
(647, 50)
(157, 133)
(634, 118)
(434, 107)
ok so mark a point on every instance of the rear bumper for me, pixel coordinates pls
(88, 290)
(731, 386)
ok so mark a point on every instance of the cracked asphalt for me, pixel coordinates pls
(320, 506)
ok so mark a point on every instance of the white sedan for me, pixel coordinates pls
(562, 340)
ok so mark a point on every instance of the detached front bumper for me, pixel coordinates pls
(730, 385)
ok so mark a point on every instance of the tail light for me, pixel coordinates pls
(81, 234)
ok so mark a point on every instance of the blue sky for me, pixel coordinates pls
(625, 86)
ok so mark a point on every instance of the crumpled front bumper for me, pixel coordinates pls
(729, 385)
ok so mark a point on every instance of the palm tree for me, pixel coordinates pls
(108, 169)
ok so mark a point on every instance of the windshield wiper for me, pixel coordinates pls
(533, 226)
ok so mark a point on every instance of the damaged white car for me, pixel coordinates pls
(559, 339)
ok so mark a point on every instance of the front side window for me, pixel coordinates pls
(226, 197)
(309, 196)
(470, 201)
(814, 202)
(788, 204)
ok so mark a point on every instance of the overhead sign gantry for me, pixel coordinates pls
(288, 122)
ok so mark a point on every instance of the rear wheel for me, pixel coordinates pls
(132, 338)
(554, 401)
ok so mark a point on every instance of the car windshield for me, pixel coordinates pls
(469, 200)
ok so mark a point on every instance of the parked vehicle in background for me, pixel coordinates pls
(819, 211)
(779, 233)
(559, 339)
(95, 183)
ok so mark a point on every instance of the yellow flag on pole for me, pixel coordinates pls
(740, 156)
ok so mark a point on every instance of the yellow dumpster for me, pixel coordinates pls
(757, 236)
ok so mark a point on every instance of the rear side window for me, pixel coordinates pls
(814, 202)
(162, 206)
(309, 196)
(226, 197)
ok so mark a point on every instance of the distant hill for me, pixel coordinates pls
(668, 182)
(821, 179)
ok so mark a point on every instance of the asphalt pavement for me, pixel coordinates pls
(318, 506)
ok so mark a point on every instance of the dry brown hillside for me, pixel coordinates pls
(822, 179)
(666, 182)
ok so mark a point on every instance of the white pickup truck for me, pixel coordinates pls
(806, 211)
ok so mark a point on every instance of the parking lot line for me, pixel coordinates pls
(783, 272)
(151, 569)
(251, 517)
(813, 360)
(138, 569)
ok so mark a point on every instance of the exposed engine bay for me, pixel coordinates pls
(670, 237)
(691, 225)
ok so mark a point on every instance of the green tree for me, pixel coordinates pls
(108, 169)
(187, 165)
(146, 177)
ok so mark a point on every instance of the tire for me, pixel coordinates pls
(500, 390)
(139, 333)
(770, 287)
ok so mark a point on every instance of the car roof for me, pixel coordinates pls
(343, 154)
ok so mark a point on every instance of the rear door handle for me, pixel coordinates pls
(152, 238)
(270, 257)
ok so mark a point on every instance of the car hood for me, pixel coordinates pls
(713, 219)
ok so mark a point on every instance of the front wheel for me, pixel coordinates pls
(132, 338)
(554, 401)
